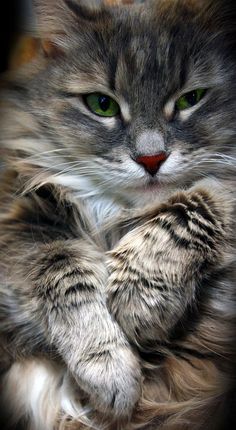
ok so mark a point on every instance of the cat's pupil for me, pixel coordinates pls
(104, 103)
(191, 98)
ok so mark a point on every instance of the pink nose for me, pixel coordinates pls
(151, 163)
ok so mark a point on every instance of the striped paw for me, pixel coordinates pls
(112, 379)
(156, 268)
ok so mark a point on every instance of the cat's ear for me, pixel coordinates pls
(51, 25)
(56, 21)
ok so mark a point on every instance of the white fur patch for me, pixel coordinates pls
(172, 164)
(101, 207)
(39, 390)
(75, 182)
(186, 113)
(169, 109)
(125, 110)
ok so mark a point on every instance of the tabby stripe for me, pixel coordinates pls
(179, 241)
(203, 210)
(95, 356)
(197, 240)
(79, 287)
(204, 239)
(50, 262)
(210, 231)
(179, 210)
(48, 291)
(133, 271)
(68, 275)
(79, 303)
(153, 284)
(147, 283)
(113, 399)
(122, 258)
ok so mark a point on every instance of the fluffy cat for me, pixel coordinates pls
(117, 254)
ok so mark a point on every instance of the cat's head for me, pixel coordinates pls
(131, 100)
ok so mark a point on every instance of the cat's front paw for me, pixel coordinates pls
(156, 268)
(112, 379)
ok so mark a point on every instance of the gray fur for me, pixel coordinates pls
(102, 265)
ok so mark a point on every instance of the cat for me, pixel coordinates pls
(117, 255)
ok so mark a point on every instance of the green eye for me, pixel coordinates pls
(190, 99)
(102, 105)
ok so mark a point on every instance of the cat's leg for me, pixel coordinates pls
(89, 340)
(157, 268)
(56, 301)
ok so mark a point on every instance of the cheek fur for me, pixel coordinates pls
(173, 164)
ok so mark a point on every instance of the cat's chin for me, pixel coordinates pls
(151, 192)
(150, 187)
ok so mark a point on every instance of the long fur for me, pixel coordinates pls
(117, 289)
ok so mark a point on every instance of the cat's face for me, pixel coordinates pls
(169, 70)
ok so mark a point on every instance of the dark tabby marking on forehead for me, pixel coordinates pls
(87, 13)
(117, 282)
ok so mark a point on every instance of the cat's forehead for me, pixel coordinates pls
(131, 49)
(142, 37)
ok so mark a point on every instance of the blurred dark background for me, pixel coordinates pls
(13, 22)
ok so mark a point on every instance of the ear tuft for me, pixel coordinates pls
(57, 20)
